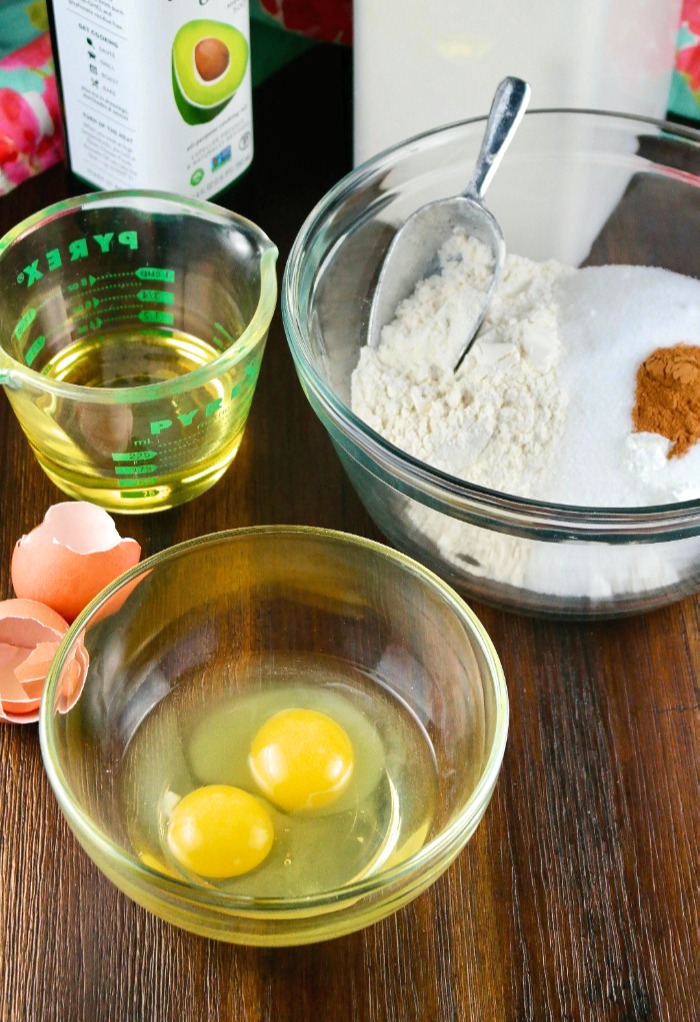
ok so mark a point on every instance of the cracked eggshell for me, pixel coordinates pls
(30, 633)
(73, 676)
(71, 557)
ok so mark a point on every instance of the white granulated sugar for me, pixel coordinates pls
(611, 318)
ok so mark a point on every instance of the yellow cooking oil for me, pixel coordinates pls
(190, 749)
(128, 357)
(129, 453)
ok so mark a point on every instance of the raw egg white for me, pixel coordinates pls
(70, 557)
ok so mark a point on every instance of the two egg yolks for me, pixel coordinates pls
(300, 759)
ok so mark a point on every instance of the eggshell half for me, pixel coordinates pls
(29, 636)
(71, 557)
(73, 677)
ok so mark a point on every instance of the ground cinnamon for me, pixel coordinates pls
(668, 396)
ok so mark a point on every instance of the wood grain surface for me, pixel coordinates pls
(577, 898)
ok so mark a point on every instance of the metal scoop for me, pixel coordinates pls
(412, 254)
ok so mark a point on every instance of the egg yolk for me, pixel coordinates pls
(301, 760)
(219, 831)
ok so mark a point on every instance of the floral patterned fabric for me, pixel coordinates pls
(685, 91)
(30, 126)
(325, 20)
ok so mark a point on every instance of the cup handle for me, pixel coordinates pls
(8, 379)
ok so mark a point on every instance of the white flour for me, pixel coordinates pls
(518, 416)
(495, 420)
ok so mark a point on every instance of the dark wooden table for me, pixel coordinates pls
(578, 896)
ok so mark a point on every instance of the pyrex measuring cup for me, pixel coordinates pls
(132, 327)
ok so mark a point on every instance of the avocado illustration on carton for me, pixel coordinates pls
(160, 129)
(209, 61)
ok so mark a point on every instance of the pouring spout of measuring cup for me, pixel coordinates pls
(413, 253)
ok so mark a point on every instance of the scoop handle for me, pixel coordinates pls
(509, 102)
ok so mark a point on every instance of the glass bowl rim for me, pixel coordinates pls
(433, 855)
(646, 523)
(150, 200)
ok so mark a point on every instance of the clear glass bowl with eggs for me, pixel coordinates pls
(275, 735)
(587, 189)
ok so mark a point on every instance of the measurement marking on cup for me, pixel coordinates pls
(24, 322)
(144, 295)
(122, 302)
(130, 469)
(94, 324)
(20, 330)
(156, 316)
(83, 282)
(144, 316)
(150, 273)
(136, 469)
(134, 456)
(159, 273)
(34, 349)
(127, 486)
(109, 288)
(166, 297)
(224, 331)
(155, 273)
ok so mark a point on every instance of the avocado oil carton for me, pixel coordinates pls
(155, 94)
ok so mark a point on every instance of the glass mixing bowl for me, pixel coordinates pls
(581, 187)
(178, 645)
